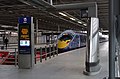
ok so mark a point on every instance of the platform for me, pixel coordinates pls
(69, 65)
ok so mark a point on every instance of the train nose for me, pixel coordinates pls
(62, 44)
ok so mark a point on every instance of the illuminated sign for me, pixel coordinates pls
(24, 42)
(24, 32)
(24, 20)
(24, 35)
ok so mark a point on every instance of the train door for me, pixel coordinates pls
(77, 41)
(82, 40)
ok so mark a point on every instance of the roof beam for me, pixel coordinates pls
(74, 6)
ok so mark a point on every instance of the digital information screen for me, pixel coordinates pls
(24, 42)
(24, 38)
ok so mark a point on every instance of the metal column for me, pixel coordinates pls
(111, 41)
(113, 33)
(36, 39)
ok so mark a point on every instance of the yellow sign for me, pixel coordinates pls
(25, 36)
(24, 31)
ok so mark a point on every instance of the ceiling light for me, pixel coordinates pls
(62, 14)
(34, 6)
(72, 19)
(15, 27)
(6, 26)
(80, 22)
(85, 24)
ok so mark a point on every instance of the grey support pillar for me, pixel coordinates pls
(114, 32)
(92, 54)
(36, 38)
(111, 41)
(58, 28)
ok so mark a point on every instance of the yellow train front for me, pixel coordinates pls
(69, 40)
(63, 42)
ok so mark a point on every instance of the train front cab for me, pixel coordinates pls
(64, 41)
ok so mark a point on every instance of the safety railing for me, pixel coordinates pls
(9, 56)
(46, 52)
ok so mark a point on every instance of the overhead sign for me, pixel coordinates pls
(84, 13)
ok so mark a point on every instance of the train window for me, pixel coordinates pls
(82, 38)
(77, 36)
(66, 37)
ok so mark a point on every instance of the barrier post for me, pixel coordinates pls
(45, 53)
(57, 49)
(35, 54)
(49, 51)
(53, 50)
(40, 54)
(15, 57)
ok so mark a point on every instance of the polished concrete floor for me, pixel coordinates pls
(69, 65)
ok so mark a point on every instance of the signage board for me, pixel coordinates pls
(24, 35)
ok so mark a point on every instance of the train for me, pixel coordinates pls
(69, 39)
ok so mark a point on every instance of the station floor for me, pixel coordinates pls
(69, 65)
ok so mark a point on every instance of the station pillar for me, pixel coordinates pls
(92, 66)
(25, 43)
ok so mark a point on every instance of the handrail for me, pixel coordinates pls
(4, 59)
(50, 51)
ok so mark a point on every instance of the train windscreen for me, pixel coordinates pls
(65, 37)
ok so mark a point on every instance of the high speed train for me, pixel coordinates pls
(68, 40)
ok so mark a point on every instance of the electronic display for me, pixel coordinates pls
(24, 32)
(24, 35)
(24, 42)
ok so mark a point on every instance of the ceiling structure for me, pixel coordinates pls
(10, 10)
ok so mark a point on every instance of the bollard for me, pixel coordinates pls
(49, 51)
(15, 57)
(40, 54)
(45, 53)
(57, 49)
(53, 50)
(35, 54)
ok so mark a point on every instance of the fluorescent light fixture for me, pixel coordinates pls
(2, 30)
(85, 24)
(72, 19)
(34, 6)
(15, 27)
(62, 14)
(6, 26)
(79, 22)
